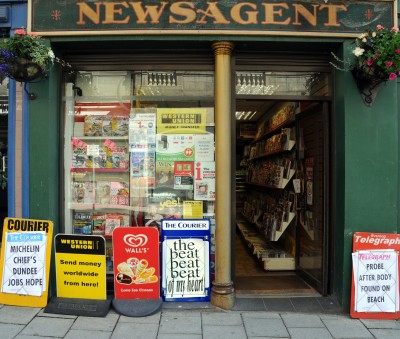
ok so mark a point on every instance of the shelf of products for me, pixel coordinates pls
(269, 210)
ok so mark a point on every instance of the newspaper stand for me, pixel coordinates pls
(364, 241)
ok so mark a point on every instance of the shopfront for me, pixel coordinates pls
(232, 113)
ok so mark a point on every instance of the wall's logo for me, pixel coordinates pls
(135, 240)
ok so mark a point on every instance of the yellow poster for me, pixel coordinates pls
(181, 120)
(25, 262)
(80, 266)
(193, 209)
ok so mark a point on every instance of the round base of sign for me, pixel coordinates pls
(137, 307)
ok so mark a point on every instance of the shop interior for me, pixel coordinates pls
(281, 169)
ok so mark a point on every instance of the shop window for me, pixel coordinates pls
(138, 148)
(282, 83)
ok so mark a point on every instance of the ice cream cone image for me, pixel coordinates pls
(124, 268)
(147, 273)
(141, 267)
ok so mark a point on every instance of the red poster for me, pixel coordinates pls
(136, 263)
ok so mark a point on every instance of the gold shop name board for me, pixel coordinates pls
(307, 17)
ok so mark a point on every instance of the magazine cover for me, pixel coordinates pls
(97, 157)
(204, 186)
(93, 126)
(103, 189)
(107, 126)
(143, 165)
(183, 175)
(120, 157)
(83, 192)
(79, 154)
(120, 125)
(99, 223)
(119, 193)
(164, 174)
(82, 223)
(112, 221)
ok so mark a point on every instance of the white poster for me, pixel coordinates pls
(204, 183)
(142, 132)
(186, 268)
(204, 147)
(376, 281)
(24, 263)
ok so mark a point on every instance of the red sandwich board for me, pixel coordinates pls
(377, 275)
(136, 263)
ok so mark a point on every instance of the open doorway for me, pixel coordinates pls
(282, 162)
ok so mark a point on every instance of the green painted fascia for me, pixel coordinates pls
(367, 169)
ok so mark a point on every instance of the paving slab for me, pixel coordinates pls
(17, 314)
(179, 336)
(258, 326)
(249, 304)
(306, 305)
(375, 323)
(222, 319)
(261, 315)
(183, 323)
(135, 330)
(278, 304)
(74, 334)
(218, 332)
(385, 333)
(41, 326)
(342, 327)
(309, 333)
(9, 331)
(302, 320)
(95, 323)
(150, 319)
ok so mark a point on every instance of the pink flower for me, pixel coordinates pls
(392, 76)
(395, 29)
(369, 62)
(20, 32)
(379, 27)
(397, 51)
(34, 35)
(389, 63)
(378, 51)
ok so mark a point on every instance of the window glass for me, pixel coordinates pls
(139, 148)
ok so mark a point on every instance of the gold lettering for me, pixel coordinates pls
(212, 11)
(85, 10)
(111, 9)
(151, 11)
(251, 15)
(332, 14)
(184, 9)
(271, 11)
(300, 9)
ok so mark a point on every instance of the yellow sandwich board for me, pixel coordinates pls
(25, 262)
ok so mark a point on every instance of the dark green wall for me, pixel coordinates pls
(367, 170)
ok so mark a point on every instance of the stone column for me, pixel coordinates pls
(222, 291)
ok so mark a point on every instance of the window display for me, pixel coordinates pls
(133, 158)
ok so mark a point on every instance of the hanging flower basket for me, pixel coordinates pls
(25, 57)
(23, 70)
(376, 61)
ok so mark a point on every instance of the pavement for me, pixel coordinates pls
(297, 318)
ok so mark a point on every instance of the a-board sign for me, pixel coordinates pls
(80, 266)
(375, 278)
(185, 259)
(136, 263)
(25, 262)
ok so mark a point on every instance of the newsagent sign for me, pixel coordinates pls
(25, 262)
(185, 264)
(375, 285)
(209, 17)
